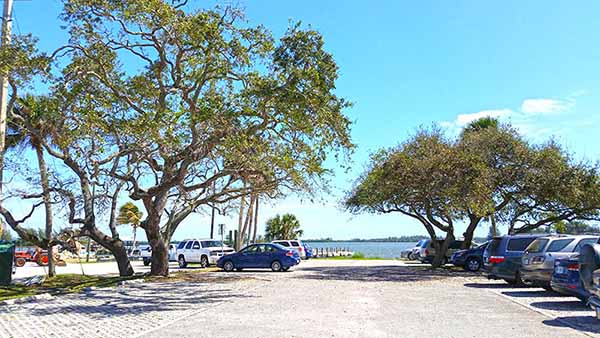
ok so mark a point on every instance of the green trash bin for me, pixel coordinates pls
(7, 256)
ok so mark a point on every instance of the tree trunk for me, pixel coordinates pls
(440, 250)
(470, 231)
(255, 219)
(47, 205)
(160, 251)
(240, 223)
(248, 221)
(134, 237)
(116, 247)
(494, 227)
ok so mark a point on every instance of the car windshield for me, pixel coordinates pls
(422, 243)
(210, 244)
(538, 245)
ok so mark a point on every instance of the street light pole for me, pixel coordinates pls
(6, 35)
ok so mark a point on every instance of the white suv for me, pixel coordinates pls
(203, 251)
(293, 244)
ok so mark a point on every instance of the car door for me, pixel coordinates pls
(248, 257)
(196, 248)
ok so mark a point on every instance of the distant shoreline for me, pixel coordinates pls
(403, 239)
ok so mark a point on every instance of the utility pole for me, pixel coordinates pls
(6, 34)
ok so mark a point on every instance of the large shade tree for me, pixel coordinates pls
(488, 171)
(206, 103)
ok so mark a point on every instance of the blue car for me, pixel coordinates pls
(470, 259)
(308, 250)
(268, 255)
(566, 280)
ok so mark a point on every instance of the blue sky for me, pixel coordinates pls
(410, 63)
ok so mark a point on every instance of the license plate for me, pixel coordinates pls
(561, 270)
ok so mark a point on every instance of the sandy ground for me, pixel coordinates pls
(319, 298)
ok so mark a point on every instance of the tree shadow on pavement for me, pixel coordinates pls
(587, 324)
(569, 305)
(530, 294)
(489, 285)
(137, 299)
(382, 273)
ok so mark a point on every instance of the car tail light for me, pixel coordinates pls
(573, 267)
(300, 249)
(496, 259)
(426, 252)
(289, 253)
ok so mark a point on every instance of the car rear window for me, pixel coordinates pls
(519, 244)
(494, 245)
(559, 244)
(283, 243)
(455, 245)
(585, 241)
(295, 243)
(538, 245)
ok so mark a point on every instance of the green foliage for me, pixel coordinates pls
(489, 169)
(283, 227)
(481, 124)
(130, 214)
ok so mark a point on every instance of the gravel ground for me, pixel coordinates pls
(382, 299)
(320, 298)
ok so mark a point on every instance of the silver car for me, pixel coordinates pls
(537, 263)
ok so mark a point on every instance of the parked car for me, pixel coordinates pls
(537, 263)
(203, 251)
(426, 252)
(589, 272)
(268, 255)
(565, 278)
(308, 250)
(294, 244)
(413, 253)
(469, 259)
(502, 257)
(146, 253)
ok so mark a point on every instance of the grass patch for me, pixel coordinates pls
(356, 256)
(62, 284)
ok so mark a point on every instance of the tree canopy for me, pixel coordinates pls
(488, 170)
(181, 108)
(283, 227)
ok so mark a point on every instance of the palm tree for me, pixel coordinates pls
(130, 214)
(32, 112)
(283, 227)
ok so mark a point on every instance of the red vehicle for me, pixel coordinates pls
(29, 254)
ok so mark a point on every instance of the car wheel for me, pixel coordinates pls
(473, 264)
(228, 266)
(20, 262)
(276, 266)
(411, 257)
(204, 262)
(182, 262)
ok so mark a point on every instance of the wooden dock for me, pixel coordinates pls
(331, 252)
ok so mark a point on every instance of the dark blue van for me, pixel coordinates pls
(502, 257)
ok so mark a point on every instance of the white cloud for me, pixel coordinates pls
(545, 106)
(464, 119)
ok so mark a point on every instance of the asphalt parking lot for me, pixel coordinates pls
(319, 298)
